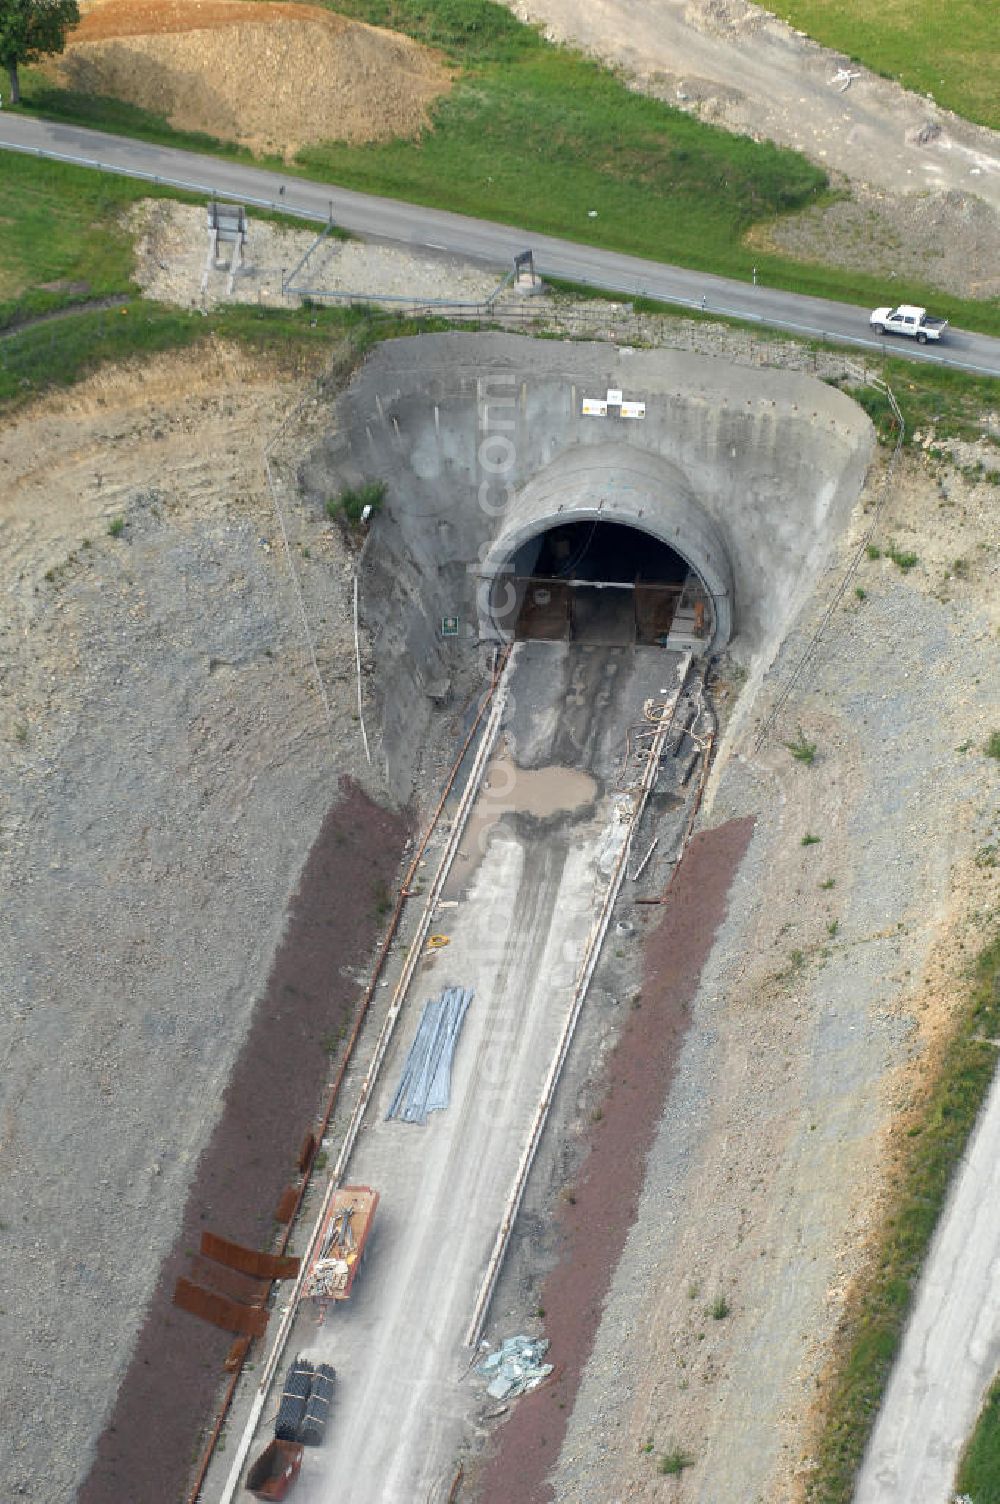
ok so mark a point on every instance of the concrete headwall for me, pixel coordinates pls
(748, 473)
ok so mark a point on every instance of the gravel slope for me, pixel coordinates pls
(166, 768)
(813, 1020)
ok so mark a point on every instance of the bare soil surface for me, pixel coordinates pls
(297, 1029)
(270, 77)
(733, 64)
(834, 973)
(167, 768)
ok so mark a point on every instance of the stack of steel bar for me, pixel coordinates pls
(318, 1406)
(425, 1084)
(292, 1410)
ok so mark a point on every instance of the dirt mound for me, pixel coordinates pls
(948, 240)
(271, 77)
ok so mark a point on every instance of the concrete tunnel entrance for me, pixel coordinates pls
(609, 545)
(605, 583)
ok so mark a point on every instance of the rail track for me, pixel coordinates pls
(496, 702)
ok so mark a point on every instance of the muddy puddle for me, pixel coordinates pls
(508, 789)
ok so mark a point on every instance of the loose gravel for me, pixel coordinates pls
(166, 769)
(172, 244)
(836, 969)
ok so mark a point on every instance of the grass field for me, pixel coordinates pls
(43, 356)
(979, 1474)
(542, 137)
(950, 49)
(951, 403)
(60, 225)
(62, 241)
(538, 136)
(875, 1316)
(62, 244)
(67, 233)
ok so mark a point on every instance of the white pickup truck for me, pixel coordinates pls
(906, 319)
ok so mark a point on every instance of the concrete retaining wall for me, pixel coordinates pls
(481, 439)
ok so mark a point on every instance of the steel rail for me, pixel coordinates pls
(591, 953)
(496, 702)
(335, 1088)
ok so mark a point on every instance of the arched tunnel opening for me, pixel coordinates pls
(597, 581)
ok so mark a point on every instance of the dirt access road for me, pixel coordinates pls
(737, 65)
(530, 877)
(951, 1350)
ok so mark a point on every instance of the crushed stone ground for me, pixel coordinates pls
(177, 645)
(270, 77)
(171, 244)
(814, 1024)
(946, 240)
(166, 767)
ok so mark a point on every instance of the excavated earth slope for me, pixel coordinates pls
(271, 77)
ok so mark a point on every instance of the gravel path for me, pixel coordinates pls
(595, 1216)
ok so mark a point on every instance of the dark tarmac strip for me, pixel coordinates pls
(170, 1389)
(639, 1076)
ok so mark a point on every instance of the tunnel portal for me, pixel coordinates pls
(608, 544)
(604, 582)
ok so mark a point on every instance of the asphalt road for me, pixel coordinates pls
(415, 226)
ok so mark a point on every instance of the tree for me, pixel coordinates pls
(30, 29)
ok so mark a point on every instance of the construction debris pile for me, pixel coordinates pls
(331, 1272)
(515, 1367)
(425, 1084)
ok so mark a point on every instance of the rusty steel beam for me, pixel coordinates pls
(248, 1260)
(219, 1310)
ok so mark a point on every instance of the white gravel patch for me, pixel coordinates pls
(172, 249)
